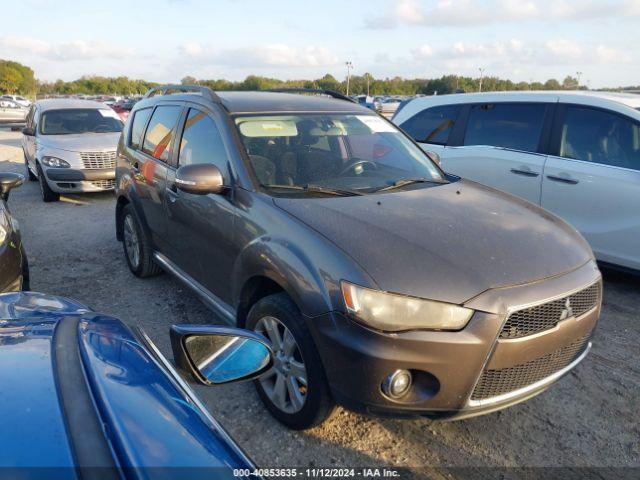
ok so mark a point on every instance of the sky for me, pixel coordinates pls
(166, 40)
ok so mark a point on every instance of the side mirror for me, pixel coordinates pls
(28, 131)
(216, 355)
(8, 181)
(434, 157)
(200, 179)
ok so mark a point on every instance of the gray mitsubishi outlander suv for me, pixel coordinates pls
(384, 284)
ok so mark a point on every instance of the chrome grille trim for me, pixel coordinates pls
(94, 160)
(545, 316)
(523, 391)
(104, 184)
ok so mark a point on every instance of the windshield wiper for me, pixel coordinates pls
(316, 189)
(403, 182)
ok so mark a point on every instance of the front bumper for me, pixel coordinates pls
(447, 366)
(80, 180)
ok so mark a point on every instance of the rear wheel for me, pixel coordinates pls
(48, 195)
(295, 390)
(137, 249)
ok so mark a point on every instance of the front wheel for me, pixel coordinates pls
(48, 195)
(295, 390)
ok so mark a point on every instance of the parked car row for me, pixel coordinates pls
(351, 269)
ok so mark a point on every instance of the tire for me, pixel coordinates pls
(136, 246)
(304, 398)
(48, 195)
(30, 175)
(26, 284)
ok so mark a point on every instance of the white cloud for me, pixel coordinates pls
(564, 49)
(444, 13)
(74, 50)
(276, 55)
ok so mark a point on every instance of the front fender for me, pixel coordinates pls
(311, 276)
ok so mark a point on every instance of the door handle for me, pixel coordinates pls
(526, 173)
(567, 180)
(135, 167)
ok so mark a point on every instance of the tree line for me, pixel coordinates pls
(19, 79)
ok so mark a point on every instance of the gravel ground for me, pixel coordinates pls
(588, 419)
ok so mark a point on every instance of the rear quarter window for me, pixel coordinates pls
(137, 127)
(432, 125)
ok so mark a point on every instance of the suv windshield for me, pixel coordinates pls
(85, 120)
(349, 153)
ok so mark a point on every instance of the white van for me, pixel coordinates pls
(576, 154)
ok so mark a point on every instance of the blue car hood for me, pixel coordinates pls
(151, 423)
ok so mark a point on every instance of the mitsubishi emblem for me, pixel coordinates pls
(567, 311)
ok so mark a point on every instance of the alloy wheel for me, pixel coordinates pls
(286, 382)
(131, 241)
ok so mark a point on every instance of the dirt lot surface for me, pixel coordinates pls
(589, 419)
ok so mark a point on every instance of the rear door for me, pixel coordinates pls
(502, 145)
(593, 180)
(201, 227)
(150, 160)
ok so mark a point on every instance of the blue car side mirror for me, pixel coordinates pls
(216, 354)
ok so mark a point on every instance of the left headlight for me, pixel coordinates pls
(55, 162)
(394, 313)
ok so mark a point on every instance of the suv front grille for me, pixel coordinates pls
(504, 380)
(98, 159)
(546, 316)
(104, 184)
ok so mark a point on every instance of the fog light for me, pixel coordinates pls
(397, 384)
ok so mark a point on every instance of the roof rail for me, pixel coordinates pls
(322, 91)
(172, 89)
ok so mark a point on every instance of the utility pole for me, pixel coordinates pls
(578, 74)
(349, 65)
(481, 75)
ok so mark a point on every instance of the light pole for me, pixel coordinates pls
(481, 74)
(349, 68)
(578, 74)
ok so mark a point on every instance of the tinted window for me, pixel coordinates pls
(201, 141)
(137, 126)
(601, 137)
(159, 135)
(81, 120)
(432, 125)
(509, 125)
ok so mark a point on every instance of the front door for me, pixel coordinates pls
(201, 227)
(500, 148)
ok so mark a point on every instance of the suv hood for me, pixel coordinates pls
(81, 142)
(448, 242)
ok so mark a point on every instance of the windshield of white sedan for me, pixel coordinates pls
(73, 121)
(332, 154)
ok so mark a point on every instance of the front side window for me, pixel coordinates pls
(71, 121)
(159, 135)
(432, 125)
(509, 125)
(137, 127)
(351, 152)
(601, 137)
(201, 142)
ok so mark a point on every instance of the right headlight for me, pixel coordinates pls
(393, 313)
(55, 162)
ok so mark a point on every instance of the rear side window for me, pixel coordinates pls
(201, 142)
(158, 138)
(137, 126)
(509, 125)
(600, 137)
(432, 125)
